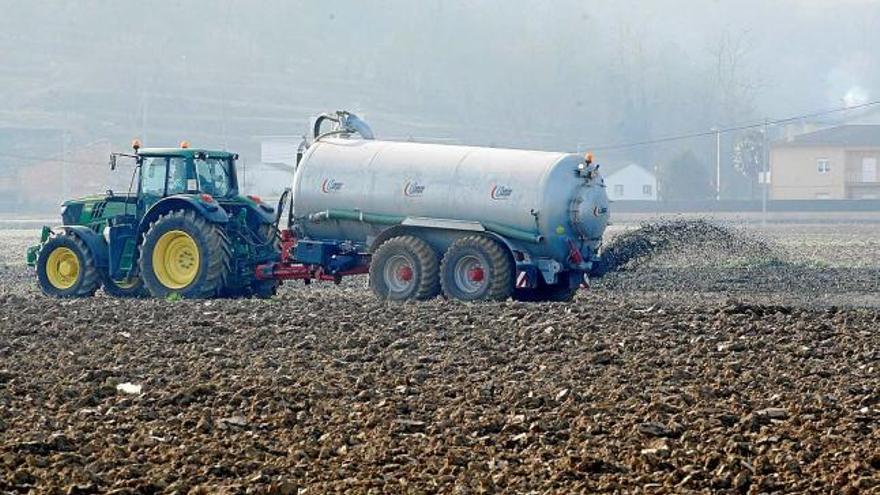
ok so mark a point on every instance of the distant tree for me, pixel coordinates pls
(748, 158)
(736, 81)
(685, 177)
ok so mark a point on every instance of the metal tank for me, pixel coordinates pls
(546, 204)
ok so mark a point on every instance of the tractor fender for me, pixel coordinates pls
(211, 212)
(94, 241)
(265, 213)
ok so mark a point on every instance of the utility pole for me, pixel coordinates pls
(717, 164)
(65, 179)
(65, 172)
(765, 155)
(144, 103)
(244, 182)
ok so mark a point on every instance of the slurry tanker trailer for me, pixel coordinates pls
(422, 220)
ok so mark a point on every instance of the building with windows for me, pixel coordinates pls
(629, 183)
(834, 163)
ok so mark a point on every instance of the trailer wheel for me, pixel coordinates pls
(66, 268)
(184, 254)
(476, 268)
(403, 268)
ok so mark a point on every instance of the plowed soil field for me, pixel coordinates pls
(708, 363)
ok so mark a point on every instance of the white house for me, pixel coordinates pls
(631, 182)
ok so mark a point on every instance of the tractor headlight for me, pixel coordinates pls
(107, 235)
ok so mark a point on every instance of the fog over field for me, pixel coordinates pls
(565, 75)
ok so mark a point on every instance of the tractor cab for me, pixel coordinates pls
(169, 172)
(164, 172)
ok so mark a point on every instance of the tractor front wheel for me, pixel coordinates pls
(66, 268)
(184, 254)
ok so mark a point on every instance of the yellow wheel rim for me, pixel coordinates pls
(176, 259)
(62, 268)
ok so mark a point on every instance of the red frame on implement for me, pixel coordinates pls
(286, 269)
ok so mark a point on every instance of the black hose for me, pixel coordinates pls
(285, 196)
(316, 130)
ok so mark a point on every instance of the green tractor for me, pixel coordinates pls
(185, 232)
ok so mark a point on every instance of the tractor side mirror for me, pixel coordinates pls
(112, 162)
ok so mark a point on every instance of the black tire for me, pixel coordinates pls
(133, 288)
(405, 267)
(214, 253)
(487, 255)
(265, 289)
(87, 279)
(546, 293)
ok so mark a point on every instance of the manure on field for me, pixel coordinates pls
(684, 239)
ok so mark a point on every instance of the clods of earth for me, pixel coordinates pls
(630, 388)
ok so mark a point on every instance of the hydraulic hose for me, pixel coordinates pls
(282, 201)
(316, 130)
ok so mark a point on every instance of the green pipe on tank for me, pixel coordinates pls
(358, 216)
(512, 233)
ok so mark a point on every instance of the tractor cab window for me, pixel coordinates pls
(155, 171)
(215, 176)
(153, 176)
(177, 176)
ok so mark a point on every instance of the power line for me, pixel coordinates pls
(738, 128)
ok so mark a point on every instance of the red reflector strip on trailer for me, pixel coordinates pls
(522, 280)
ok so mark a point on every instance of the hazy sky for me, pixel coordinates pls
(524, 73)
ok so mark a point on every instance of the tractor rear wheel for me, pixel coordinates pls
(477, 268)
(66, 268)
(184, 254)
(132, 287)
(404, 268)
